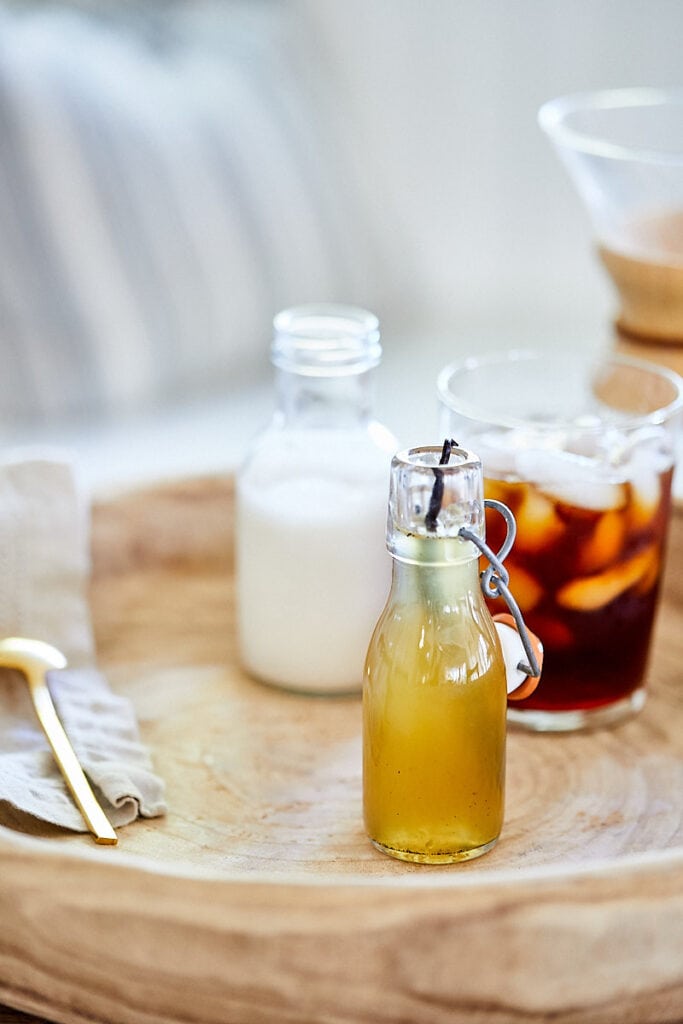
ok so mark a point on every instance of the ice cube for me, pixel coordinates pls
(590, 593)
(604, 544)
(584, 436)
(651, 445)
(496, 449)
(647, 459)
(649, 578)
(498, 490)
(572, 479)
(525, 588)
(646, 492)
(538, 524)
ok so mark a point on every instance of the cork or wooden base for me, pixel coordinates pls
(648, 275)
(259, 898)
(663, 353)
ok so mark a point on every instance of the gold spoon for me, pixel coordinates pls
(35, 658)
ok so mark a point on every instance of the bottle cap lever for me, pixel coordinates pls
(494, 583)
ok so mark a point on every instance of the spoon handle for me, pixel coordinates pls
(67, 761)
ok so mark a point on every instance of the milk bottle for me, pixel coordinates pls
(311, 566)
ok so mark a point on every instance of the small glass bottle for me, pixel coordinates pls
(312, 572)
(434, 693)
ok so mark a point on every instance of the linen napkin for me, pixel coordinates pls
(44, 570)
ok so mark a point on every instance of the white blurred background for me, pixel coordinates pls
(174, 173)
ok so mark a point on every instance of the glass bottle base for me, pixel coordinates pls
(451, 857)
(580, 720)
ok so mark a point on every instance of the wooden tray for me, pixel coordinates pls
(258, 899)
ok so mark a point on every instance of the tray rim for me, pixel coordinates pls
(450, 877)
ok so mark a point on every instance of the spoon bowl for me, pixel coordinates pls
(30, 656)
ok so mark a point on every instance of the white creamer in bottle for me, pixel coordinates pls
(311, 567)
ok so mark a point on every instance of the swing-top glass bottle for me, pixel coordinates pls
(434, 695)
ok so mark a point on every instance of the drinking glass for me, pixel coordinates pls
(582, 450)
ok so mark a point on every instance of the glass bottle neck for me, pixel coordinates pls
(442, 583)
(314, 402)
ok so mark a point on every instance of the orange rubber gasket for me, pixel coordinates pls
(528, 685)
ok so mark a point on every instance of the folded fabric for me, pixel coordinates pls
(44, 563)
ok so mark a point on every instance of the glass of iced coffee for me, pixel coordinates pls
(623, 149)
(583, 452)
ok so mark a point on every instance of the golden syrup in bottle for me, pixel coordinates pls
(434, 694)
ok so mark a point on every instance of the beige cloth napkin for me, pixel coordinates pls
(44, 569)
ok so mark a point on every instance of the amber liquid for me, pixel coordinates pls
(587, 582)
(648, 273)
(434, 731)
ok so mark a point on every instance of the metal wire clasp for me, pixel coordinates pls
(495, 578)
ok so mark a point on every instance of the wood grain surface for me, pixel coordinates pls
(259, 899)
